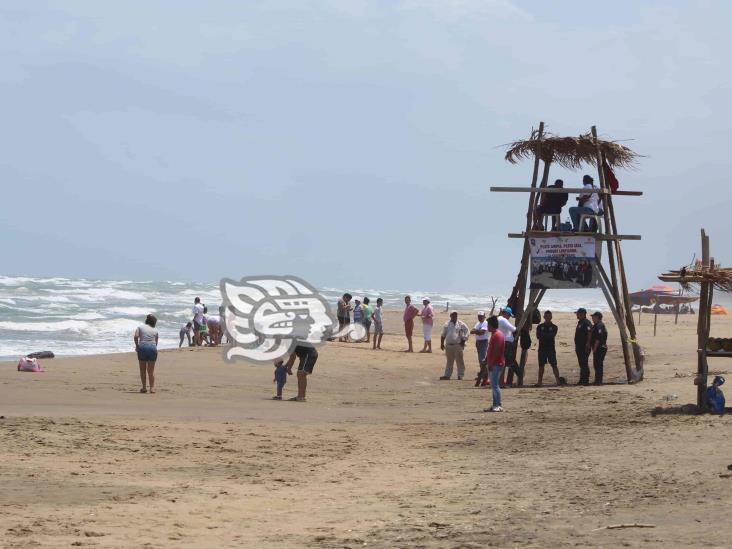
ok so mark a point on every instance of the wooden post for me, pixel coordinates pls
(605, 286)
(655, 320)
(702, 329)
(624, 292)
(676, 317)
(607, 205)
(518, 295)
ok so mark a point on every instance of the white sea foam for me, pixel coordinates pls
(129, 311)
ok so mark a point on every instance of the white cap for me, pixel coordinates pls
(481, 313)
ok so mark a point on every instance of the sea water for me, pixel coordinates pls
(81, 317)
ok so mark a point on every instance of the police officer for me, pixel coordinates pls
(598, 344)
(546, 333)
(582, 345)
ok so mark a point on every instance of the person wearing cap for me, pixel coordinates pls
(427, 314)
(508, 330)
(587, 203)
(598, 344)
(582, 345)
(410, 311)
(551, 204)
(480, 331)
(454, 335)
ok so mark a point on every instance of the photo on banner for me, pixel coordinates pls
(564, 263)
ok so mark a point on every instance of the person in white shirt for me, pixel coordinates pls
(509, 353)
(480, 331)
(378, 323)
(197, 312)
(454, 335)
(588, 203)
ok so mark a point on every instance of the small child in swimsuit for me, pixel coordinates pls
(280, 377)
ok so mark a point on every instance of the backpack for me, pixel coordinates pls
(536, 316)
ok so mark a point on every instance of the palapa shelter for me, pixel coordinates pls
(574, 153)
(706, 276)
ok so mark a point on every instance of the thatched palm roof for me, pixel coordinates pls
(571, 152)
(692, 276)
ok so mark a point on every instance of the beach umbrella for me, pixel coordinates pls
(719, 310)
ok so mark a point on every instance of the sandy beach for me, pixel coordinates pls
(382, 454)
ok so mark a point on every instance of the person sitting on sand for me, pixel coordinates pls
(378, 323)
(410, 311)
(185, 331)
(146, 345)
(308, 356)
(280, 377)
(428, 315)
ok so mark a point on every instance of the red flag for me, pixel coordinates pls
(610, 179)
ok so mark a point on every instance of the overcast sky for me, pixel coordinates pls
(348, 142)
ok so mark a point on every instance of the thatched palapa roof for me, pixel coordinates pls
(571, 152)
(688, 277)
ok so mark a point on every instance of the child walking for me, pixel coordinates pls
(280, 377)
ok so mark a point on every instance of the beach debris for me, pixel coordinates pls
(41, 354)
(670, 397)
(625, 525)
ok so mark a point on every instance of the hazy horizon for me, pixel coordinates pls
(350, 143)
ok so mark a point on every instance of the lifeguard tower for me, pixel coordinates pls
(574, 153)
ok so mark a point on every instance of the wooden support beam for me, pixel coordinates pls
(613, 245)
(598, 236)
(624, 340)
(568, 190)
(702, 327)
(535, 297)
(518, 295)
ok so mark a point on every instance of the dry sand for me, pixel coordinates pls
(382, 454)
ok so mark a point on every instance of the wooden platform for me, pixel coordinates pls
(721, 354)
(568, 190)
(596, 236)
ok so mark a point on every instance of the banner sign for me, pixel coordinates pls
(562, 263)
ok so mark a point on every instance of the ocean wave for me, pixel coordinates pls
(129, 311)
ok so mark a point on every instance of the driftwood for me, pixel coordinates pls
(629, 525)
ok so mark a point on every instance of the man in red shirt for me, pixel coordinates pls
(410, 311)
(496, 362)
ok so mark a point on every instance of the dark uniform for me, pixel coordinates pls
(599, 336)
(581, 338)
(546, 333)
